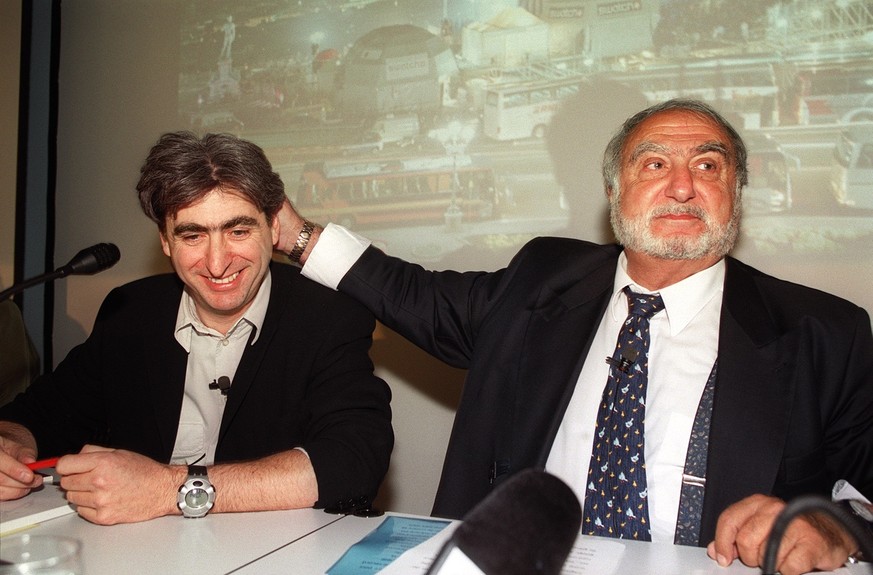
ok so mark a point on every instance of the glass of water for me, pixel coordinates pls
(42, 554)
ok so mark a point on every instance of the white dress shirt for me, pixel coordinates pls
(682, 351)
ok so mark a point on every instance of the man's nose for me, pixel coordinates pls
(217, 256)
(681, 185)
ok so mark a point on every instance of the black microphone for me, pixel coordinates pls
(91, 260)
(527, 525)
(624, 362)
(223, 384)
(88, 261)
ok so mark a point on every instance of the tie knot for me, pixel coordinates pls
(641, 304)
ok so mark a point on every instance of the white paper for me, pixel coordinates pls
(42, 505)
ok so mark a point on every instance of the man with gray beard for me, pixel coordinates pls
(753, 390)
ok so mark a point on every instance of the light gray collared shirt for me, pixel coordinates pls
(211, 355)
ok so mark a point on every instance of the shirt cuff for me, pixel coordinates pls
(303, 451)
(843, 490)
(334, 254)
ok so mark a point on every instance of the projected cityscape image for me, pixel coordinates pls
(453, 131)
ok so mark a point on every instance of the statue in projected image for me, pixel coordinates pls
(229, 29)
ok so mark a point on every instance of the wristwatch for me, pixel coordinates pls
(196, 496)
(302, 241)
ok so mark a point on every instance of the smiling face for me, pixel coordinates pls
(677, 195)
(220, 246)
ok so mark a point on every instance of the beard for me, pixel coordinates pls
(635, 234)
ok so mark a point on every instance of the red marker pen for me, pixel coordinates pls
(43, 463)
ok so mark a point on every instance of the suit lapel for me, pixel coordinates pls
(166, 363)
(254, 354)
(561, 329)
(752, 399)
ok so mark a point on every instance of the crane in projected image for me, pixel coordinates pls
(805, 22)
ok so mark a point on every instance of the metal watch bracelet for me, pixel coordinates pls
(302, 241)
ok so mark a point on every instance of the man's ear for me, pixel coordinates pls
(165, 245)
(274, 229)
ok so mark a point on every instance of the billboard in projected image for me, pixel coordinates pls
(450, 132)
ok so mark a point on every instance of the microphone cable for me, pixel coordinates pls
(809, 504)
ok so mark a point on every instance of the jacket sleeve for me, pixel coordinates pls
(440, 311)
(64, 408)
(848, 416)
(348, 437)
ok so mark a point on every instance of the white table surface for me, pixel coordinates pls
(216, 544)
(317, 552)
(307, 556)
(309, 541)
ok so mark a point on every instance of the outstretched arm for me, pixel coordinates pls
(99, 480)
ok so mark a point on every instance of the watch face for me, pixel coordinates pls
(196, 498)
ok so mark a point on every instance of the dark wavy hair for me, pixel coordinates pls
(182, 168)
(612, 156)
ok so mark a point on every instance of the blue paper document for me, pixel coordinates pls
(385, 544)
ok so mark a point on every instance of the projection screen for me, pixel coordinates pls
(450, 132)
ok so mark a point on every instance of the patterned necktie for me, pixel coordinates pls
(615, 498)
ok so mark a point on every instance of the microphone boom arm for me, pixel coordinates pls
(88, 261)
(19, 287)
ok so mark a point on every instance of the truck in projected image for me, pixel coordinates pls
(852, 168)
(770, 187)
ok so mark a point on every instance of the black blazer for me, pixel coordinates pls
(307, 381)
(793, 408)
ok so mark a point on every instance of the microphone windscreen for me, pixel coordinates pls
(527, 525)
(93, 259)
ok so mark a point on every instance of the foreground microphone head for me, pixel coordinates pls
(91, 260)
(527, 525)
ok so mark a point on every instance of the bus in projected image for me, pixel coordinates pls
(398, 192)
(517, 110)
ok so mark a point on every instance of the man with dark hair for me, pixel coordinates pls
(733, 391)
(233, 382)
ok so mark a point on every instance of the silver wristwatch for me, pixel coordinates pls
(196, 496)
(302, 241)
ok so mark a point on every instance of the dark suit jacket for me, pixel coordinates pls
(307, 381)
(793, 408)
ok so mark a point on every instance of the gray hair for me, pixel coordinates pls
(612, 161)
